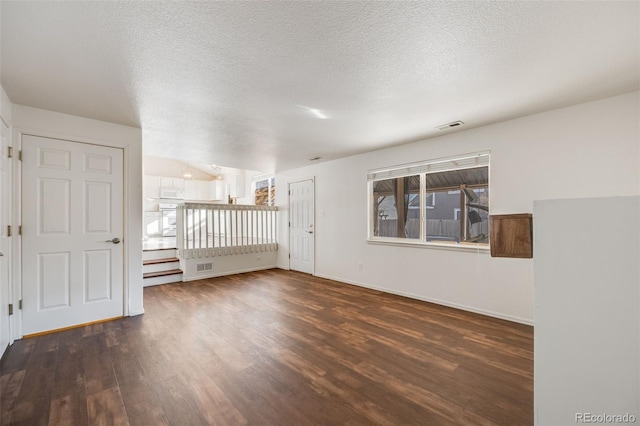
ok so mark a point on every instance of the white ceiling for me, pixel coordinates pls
(236, 83)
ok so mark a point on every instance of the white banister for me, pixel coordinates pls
(206, 230)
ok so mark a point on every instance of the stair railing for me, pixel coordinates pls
(208, 230)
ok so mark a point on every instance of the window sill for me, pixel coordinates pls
(468, 247)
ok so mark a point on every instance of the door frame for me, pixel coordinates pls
(315, 231)
(4, 121)
(132, 205)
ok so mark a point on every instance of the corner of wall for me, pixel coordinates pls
(6, 107)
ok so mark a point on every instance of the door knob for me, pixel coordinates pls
(309, 232)
(114, 241)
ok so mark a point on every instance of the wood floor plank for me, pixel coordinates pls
(99, 373)
(141, 403)
(69, 409)
(106, 408)
(214, 405)
(153, 417)
(34, 400)
(9, 389)
(178, 401)
(275, 348)
(17, 356)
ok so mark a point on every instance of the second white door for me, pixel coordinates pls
(301, 226)
(72, 218)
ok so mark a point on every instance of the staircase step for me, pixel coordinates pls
(160, 266)
(165, 279)
(158, 254)
(162, 273)
(154, 261)
(161, 277)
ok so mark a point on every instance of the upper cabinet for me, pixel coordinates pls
(218, 189)
(195, 190)
(171, 183)
(158, 187)
(204, 190)
(237, 186)
(151, 187)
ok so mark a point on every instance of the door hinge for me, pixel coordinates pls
(289, 255)
(10, 308)
(20, 304)
(20, 230)
(20, 155)
(289, 224)
(9, 152)
(289, 192)
(8, 230)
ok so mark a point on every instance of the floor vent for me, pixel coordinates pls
(201, 267)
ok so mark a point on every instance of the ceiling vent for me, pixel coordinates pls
(450, 125)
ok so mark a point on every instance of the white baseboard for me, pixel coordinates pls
(136, 313)
(432, 300)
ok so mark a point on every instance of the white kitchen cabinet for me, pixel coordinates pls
(204, 190)
(237, 186)
(171, 183)
(166, 182)
(217, 189)
(150, 187)
(178, 183)
(190, 190)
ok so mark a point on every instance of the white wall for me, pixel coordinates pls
(238, 263)
(587, 290)
(586, 150)
(6, 107)
(51, 124)
(166, 167)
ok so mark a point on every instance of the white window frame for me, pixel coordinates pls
(260, 178)
(433, 200)
(460, 162)
(456, 213)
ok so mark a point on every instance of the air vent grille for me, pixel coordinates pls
(450, 125)
(201, 267)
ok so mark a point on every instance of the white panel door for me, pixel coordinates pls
(301, 231)
(5, 242)
(72, 221)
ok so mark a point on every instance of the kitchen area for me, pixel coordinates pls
(169, 183)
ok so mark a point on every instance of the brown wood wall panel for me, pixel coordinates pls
(511, 235)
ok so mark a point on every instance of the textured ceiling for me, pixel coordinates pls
(242, 84)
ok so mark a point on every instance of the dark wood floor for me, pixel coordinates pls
(275, 348)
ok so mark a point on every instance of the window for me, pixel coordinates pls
(265, 192)
(393, 202)
(403, 203)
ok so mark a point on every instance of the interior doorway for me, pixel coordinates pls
(301, 226)
(72, 229)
